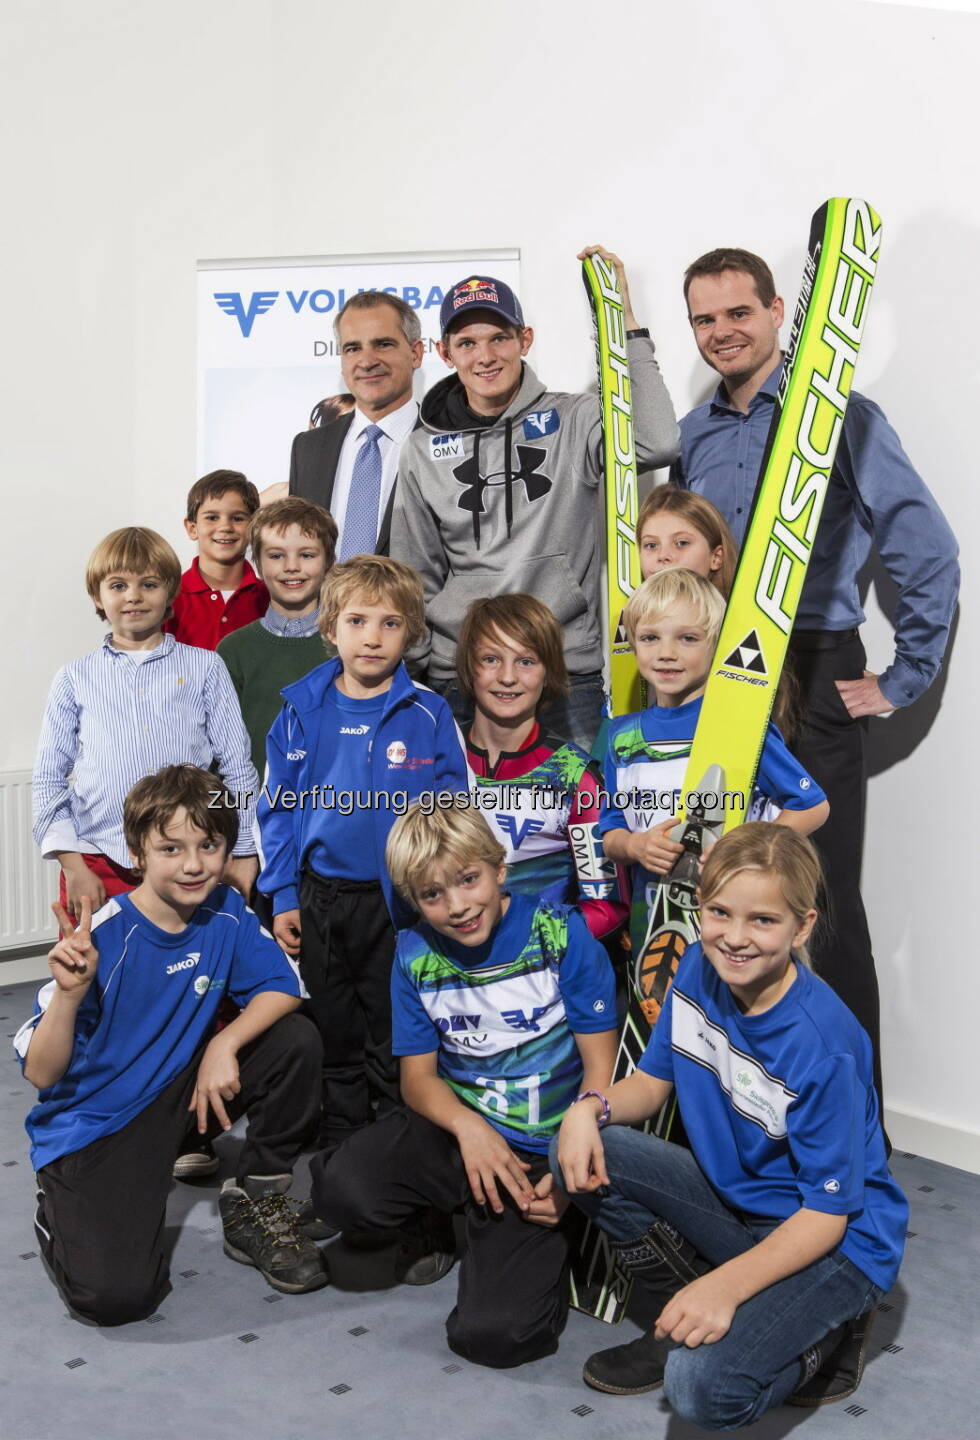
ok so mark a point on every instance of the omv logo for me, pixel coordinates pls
(231, 302)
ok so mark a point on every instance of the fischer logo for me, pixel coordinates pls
(621, 435)
(822, 416)
(397, 753)
(187, 964)
(748, 655)
(354, 729)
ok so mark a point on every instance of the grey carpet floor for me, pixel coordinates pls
(227, 1357)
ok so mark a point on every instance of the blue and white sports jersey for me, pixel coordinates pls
(503, 1024)
(147, 1012)
(646, 759)
(780, 1108)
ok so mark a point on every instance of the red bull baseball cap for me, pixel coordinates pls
(480, 292)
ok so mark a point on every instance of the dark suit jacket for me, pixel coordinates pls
(313, 467)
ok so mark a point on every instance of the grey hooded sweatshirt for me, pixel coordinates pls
(512, 507)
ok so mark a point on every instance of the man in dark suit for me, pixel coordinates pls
(349, 466)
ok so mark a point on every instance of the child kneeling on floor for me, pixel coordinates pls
(122, 1048)
(503, 1010)
(785, 1191)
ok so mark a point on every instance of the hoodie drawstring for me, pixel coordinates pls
(509, 478)
(478, 498)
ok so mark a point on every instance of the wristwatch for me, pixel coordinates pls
(603, 1119)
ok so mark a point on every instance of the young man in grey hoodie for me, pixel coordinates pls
(497, 489)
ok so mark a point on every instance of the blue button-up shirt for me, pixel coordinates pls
(111, 719)
(874, 495)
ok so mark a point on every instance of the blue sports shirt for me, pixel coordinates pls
(503, 1016)
(148, 1011)
(780, 1108)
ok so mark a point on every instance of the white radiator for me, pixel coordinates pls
(28, 884)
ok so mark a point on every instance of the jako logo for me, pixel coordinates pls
(187, 964)
(354, 729)
(230, 301)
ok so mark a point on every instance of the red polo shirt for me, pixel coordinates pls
(201, 615)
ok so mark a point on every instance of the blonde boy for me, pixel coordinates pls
(673, 620)
(503, 1011)
(138, 702)
(355, 741)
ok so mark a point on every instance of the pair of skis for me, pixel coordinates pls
(818, 369)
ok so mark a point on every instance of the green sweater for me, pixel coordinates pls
(261, 664)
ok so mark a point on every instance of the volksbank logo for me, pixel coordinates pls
(230, 301)
(321, 302)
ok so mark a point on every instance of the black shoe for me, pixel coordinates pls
(196, 1160)
(264, 1233)
(835, 1366)
(631, 1369)
(425, 1269)
(308, 1223)
(426, 1250)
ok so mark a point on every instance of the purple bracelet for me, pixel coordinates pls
(602, 1120)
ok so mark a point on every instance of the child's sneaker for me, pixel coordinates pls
(196, 1160)
(309, 1223)
(263, 1232)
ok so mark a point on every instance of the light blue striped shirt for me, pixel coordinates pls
(111, 720)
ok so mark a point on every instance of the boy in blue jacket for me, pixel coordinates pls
(356, 740)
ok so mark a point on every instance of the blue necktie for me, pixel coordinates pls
(361, 515)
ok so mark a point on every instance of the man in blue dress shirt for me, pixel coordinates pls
(874, 496)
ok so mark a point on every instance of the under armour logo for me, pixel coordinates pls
(530, 459)
(747, 655)
(259, 302)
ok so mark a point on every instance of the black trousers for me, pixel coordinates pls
(831, 747)
(101, 1210)
(345, 962)
(513, 1295)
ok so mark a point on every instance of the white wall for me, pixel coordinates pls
(146, 137)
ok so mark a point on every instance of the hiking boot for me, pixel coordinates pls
(196, 1160)
(832, 1370)
(263, 1232)
(631, 1369)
